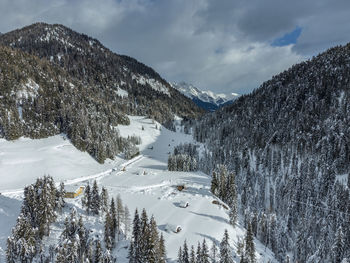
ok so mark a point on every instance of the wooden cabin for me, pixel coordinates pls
(75, 193)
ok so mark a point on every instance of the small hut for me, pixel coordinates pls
(75, 193)
(173, 228)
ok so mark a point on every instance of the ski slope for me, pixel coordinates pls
(142, 182)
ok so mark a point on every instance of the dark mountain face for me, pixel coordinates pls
(288, 143)
(87, 60)
(38, 99)
(54, 80)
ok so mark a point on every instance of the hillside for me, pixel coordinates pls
(288, 144)
(86, 59)
(69, 83)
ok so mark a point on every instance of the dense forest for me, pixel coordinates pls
(287, 145)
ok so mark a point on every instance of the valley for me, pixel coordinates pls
(145, 183)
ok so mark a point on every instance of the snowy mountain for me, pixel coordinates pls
(207, 100)
(57, 81)
(288, 144)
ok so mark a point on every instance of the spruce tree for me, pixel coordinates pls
(192, 255)
(131, 253)
(126, 221)
(204, 252)
(119, 214)
(86, 199)
(95, 199)
(98, 256)
(60, 202)
(185, 255)
(104, 199)
(162, 250)
(249, 245)
(338, 246)
(214, 184)
(152, 252)
(225, 249)
(113, 215)
(108, 232)
(137, 238)
(180, 256)
(213, 253)
(199, 253)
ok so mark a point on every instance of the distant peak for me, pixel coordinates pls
(209, 98)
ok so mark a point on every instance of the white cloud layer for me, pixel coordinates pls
(222, 46)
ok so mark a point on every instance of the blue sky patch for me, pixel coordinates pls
(287, 39)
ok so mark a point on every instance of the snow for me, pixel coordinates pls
(122, 93)
(22, 161)
(192, 92)
(154, 84)
(20, 112)
(28, 90)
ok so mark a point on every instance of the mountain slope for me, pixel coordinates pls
(38, 100)
(86, 59)
(144, 183)
(207, 100)
(71, 84)
(288, 144)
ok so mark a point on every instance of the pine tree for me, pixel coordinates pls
(108, 232)
(214, 184)
(104, 199)
(98, 252)
(86, 199)
(126, 221)
(83, 238)
(152, 252)
(192, 255)
(240, 250)
(95, 199)
(225, 250)
(119, 214)
(144, 237)
(60, 203)
(137, 238)
(162, 250)
(205, 252)
(338, 246)
(179, 256)
(21, 246)
(113, 215)
(185, 256)
(90, 253)
(199, 253)
(107, 257)
(249, 245)
(213, 253)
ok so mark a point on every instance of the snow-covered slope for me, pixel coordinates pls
(205, 99)
(145, 183)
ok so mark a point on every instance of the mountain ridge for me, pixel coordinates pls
(207, 100)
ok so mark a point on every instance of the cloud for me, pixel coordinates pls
(224, 46)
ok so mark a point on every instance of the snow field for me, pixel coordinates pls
(145, 183)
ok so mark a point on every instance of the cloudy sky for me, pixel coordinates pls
(220, 45)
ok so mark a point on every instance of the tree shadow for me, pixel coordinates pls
(217, 218)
